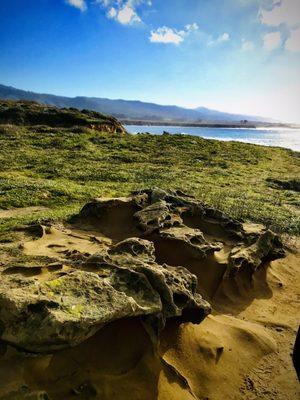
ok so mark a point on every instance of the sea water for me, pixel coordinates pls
(279, 137)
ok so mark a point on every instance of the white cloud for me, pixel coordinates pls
(223, 38)
(123, 11)
(168, 35)
(192, 27)
(293, 42)
(125, 14)
(272, 40)
(281, 12)
(112, 13)
(80, 4)
(247, 45)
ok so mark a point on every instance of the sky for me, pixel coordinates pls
(240, 56)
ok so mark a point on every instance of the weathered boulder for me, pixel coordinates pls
(42, 316)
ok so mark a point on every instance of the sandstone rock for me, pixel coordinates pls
(98, 207)
(267, 247)
(193, 240)
(132, 275)
(155, 216)
(42, 316)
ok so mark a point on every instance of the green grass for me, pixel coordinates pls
(64, 168)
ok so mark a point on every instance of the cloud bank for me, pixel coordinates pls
(272, 40)
(282, 13)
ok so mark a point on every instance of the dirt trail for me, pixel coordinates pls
(19, 212)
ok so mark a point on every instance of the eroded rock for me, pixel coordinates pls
(192, 239)
(42, 316)
(156, 216)
(153, 241)
(267, 247)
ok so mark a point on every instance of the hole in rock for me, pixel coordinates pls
(177, 253)
(115, 222)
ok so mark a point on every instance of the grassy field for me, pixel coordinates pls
(62, 168)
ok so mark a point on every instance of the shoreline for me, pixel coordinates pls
(207, 125)
(215, 135)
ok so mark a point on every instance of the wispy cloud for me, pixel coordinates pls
(168, 35)
(293, 42)
(247, 45)
(225, 37)
(80, 4)
(272, 40)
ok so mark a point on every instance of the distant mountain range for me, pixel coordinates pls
(129, 109)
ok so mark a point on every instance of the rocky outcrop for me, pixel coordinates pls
(129, 277)
(32, 113)
(43, 316)
(181, 222)
(266, 247)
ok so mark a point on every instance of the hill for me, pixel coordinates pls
(30, 113)
(128, 109)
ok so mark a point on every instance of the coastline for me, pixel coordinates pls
(207, 124)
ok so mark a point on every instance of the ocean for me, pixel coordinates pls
(279, 137)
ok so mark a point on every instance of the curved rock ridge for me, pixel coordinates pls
(157, 249)
(174, 215)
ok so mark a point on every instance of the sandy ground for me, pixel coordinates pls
(242, 351)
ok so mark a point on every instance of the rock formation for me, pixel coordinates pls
(30, 113)
(133, 277)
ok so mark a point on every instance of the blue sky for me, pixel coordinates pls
(232, 55)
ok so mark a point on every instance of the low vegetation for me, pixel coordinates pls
(61, 168)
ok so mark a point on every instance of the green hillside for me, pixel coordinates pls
(62, 167)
